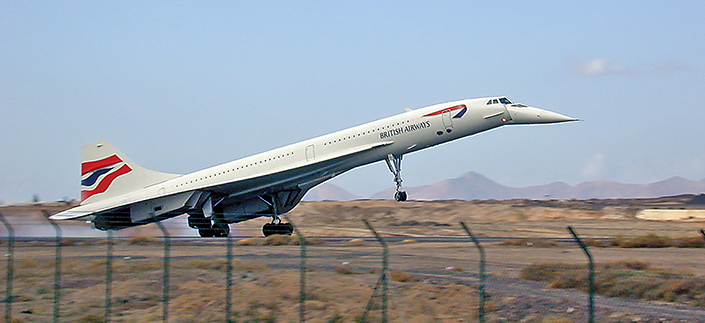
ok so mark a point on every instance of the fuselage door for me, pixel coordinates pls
(447, 120)
(310, 154)
(507, 116)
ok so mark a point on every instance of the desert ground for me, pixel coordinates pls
(431, 280)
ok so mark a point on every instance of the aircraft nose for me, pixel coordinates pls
(546, 116)
(531, 115)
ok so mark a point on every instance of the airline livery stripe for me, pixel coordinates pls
(442, 111)
(94, 177)
(460, 114)
(91, 166)
(105, 183)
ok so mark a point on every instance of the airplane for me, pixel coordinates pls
(116, 193)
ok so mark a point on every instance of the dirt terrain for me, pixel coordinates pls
(431, 280)
(487, 218)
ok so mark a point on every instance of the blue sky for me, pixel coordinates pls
(181, 86)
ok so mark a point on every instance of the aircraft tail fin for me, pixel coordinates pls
(106, 173)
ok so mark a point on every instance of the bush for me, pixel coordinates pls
(530, 243)
(277, 240)
(403, 277)
(692, 242)
(309, 241)
(346, 270)
(646, 241)
(626, 279)
(248, 242)
(141, 241)
(544, 271)
(355, 242)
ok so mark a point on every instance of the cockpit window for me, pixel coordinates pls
(497, 101)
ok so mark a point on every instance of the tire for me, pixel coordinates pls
(199, 222)
(206, 232)
(283, 229)
(221, 230)
(400, 196)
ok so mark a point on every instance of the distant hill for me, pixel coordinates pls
(329, 192)
(472, 186)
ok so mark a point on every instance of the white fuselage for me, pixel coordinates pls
(288, 172)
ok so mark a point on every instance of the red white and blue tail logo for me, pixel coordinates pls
(96, 176)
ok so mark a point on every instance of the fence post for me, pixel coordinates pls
(591, 276)
(382, 279)
(57, 267)
(481, 310)
(10, 267)
(229, 279)
(109, 277)
(165, 291)
(302, 265)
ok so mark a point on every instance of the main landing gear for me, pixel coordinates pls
(208, 228)
(394, 164)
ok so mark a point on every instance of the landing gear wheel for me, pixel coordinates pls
(196, 222)
(281, 228)
(400, 196)
(220, 230)
(206, 232)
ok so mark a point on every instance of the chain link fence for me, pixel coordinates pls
(371, 278)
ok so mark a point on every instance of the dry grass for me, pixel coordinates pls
(625, 279)
(261, 292)
(277, 240)
(646, 241)
(355, 243)
(142, 241)
(347, 270)
(248, 242)
(652, 240)
(530, 243)
(403, 277)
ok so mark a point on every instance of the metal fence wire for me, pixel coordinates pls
(239, 279)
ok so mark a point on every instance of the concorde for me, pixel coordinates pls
(116, 193)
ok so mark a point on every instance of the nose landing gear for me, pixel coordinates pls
(394, 164)
(276, 226)
(280, 228)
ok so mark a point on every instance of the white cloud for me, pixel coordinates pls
(595, 167)
(599, 66)
(670, 67)
(603, 66)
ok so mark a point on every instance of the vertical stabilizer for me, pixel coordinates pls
(106, 173)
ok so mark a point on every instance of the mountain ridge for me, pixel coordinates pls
(472, 186)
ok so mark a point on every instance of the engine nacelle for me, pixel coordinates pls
(249, 209)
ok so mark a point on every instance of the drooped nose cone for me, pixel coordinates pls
(531, 115)
(546, 116)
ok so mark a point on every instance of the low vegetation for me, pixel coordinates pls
(656, 241)
(650, 240)
(529, 242)
(624, 279)
(278, 240)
